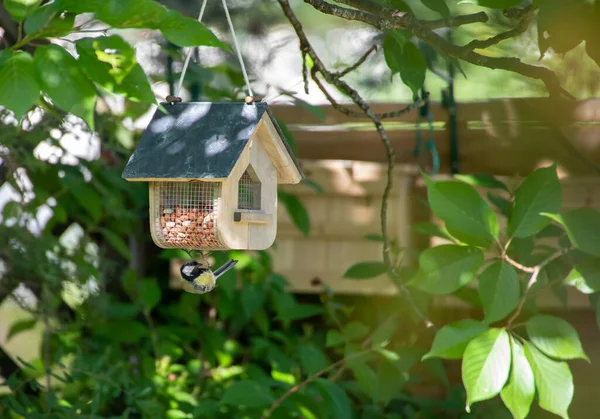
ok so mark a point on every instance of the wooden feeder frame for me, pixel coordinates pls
(213, 171)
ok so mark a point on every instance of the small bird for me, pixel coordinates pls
(200, 280)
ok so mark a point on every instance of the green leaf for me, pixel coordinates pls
(555, 337)
(467, 216)
(121, 310)
(582, 227)
(496, 4)
(372, 237)
(446, 268)
(301, 311)
(180, 30)
(315, 110)
(562, 25)
(19, 88)
(253, 298)
(335, 399)
(149, 293)
(116, 242)
(392, 52)
(20, 9)
(175, 414)
(432, 229)
(49, 21)
(296, 211)
(397, 49)
(313, 185)
(110, 62)
(519, 391)
(248, 393)
(135, 86)
(107, 59)
(355, 331)
(84, 194)
(287, 134)
(501, 203)
(63, 81)
(499, 290)
(483, 181)
(384, 332)
(20, 326)
(439, 6)
(585, 276)
(539, 192)
(413, 67)
(312, 359)
(553, 381)
(400, 5)
(188, 32)
(333, 338)
(451, 340)
(78, 6)
(127, 331)
(365, 270)
(367, 379)
(485, 365)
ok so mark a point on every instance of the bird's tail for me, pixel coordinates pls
(224, 268)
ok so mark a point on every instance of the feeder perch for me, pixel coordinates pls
(213, 170)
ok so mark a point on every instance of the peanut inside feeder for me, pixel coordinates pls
(186, 214)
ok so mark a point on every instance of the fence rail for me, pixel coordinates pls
(504, 137)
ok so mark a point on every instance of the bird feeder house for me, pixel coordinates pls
(213, 171)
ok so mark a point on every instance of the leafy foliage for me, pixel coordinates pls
(123, 343)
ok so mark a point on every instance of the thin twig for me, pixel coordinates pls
(153, 336)
(528, 269)
(47, 335)
(319, 67)
(523, 299)
(310, 379)
(358, 63)
(525, 19)
(535, 271)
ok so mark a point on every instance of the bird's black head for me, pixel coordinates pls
(191, 270)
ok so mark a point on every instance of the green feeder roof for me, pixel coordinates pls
(197, 140)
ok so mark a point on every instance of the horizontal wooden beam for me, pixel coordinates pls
(501, 151)
(502, 110)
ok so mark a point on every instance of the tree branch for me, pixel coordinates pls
(332, 78)
(525, 20)
(503, 63)
(535, 271)
(312, 378)
(382, 17)
(345, 13)
(455, 21)
(387, 18)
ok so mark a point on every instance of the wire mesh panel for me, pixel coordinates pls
(249, 191)
(185, 214)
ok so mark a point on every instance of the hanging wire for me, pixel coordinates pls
(235, 42)
(435, 159)
(237, 49)
(189, 54)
